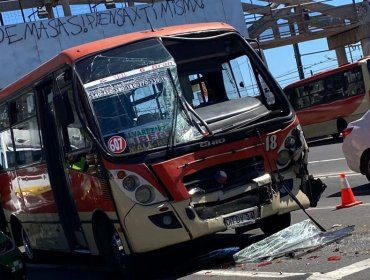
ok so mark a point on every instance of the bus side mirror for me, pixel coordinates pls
(63, 110)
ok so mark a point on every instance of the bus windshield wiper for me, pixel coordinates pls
(208, 131)
(247, 122)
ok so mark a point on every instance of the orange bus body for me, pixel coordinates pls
(118, 143)
(342, 98)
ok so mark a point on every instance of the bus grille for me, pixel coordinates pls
(260, 196)
(235, 174)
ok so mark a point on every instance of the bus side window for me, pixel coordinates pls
(25, 130)
(7, 150)
(6, 144)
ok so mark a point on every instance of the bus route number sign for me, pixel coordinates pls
(117, 144)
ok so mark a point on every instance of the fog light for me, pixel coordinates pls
(167, 220)
(283, 157)
(144, 194)
(130, 183)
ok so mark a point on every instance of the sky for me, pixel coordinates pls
(282, 63)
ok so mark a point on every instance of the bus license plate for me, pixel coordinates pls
(240, 219)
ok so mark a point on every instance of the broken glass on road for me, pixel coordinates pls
(302, 236)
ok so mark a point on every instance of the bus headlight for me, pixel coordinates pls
(283, 157)
(137, 188)
(144, 194)
(130, 183)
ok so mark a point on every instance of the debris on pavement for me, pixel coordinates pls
(300, 237)
(264, 264)
(217, 256)
(334, 258)
(336, 225)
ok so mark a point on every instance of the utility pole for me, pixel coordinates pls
(20, 6)
(297, 53)
(298, 59)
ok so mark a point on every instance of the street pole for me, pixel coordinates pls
(298, 59)
(20, 6)
(297, 54)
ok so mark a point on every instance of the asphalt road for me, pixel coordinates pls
(347, 259)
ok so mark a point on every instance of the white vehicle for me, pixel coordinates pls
(356, 145)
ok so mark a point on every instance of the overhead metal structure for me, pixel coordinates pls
(310, 20)
(286, 22)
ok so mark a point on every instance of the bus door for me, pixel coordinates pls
(54, 122)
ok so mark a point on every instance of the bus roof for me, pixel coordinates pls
(326, 73)
(70, 55)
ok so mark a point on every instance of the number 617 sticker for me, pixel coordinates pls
(117, 144)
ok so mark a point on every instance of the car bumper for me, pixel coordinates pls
(352, 154)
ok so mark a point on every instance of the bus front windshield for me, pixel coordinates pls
(133, 91)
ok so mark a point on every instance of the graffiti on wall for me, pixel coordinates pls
(25, 46)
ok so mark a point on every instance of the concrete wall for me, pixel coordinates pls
(25, 46)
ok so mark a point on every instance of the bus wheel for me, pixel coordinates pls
(341, 125)
(275, 223)
(110, 247)
(27, 245)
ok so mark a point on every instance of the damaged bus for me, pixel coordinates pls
(145, 140)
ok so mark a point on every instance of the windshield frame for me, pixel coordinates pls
(249, 52)
(164, 66)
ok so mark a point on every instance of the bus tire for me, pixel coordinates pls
(275, 223)
(20, 238)
(341, 125)
(16, 230)
(27, 245)
(365, 164)
(110, 246)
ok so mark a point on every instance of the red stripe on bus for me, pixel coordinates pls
(173, 171)
(330, 111)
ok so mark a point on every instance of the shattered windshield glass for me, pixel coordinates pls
(298, 237)
(134, 92)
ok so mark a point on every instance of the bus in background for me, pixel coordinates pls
(326, 102)
(146, 140)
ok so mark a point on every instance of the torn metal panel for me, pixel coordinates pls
(298, 237)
